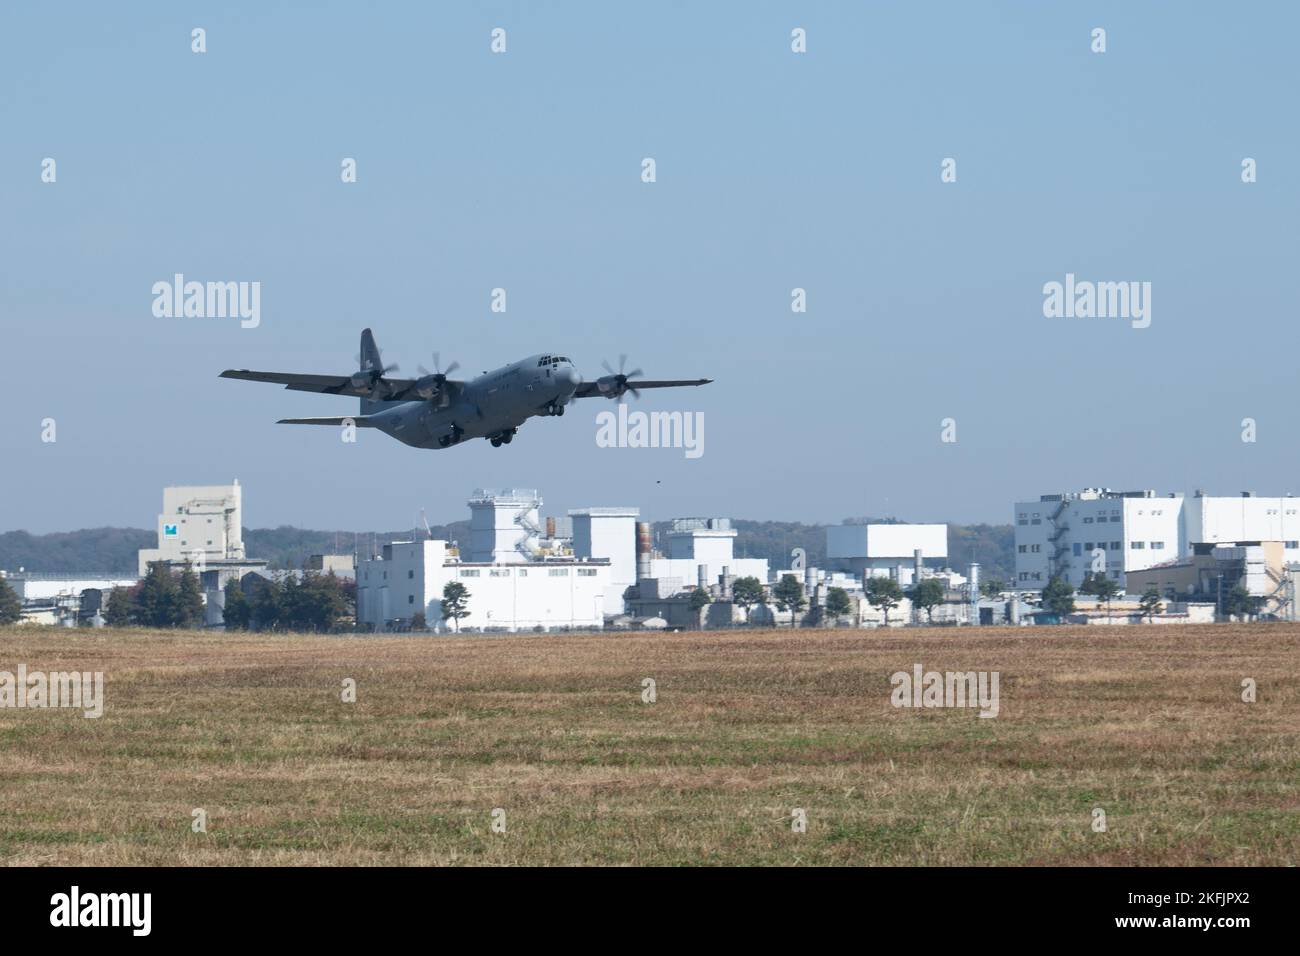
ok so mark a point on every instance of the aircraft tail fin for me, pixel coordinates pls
(371, 359)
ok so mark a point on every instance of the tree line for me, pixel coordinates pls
(174, 599)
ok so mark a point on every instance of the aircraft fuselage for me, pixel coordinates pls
(490, 406)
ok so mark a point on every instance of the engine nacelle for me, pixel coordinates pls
(428, 386)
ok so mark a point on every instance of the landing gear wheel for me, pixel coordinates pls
(508, 437)
(496, 441)
(559, 410)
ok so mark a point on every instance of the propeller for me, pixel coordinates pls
(617, 382)
(431, 383)
(368, 378)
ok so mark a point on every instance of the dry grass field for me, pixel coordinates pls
(1145, 722)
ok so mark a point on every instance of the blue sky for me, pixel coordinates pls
(775, 171)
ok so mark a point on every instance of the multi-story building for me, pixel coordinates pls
(608, 533)
(884, 549)
(199, 524)
(702, 550)
(1100, 531)
(408, 578)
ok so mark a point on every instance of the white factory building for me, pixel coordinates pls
(1099, 530)
(409, 577)
(698, 550)
(518, 577)
(200, 524)
(895, 550)
(611, 534)
(34, 587)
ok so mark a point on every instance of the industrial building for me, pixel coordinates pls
(40, 587)
(547, 594)
(696, 551)
(608, 534)
(896, 550)
(518, 576)
(1119, 532)
(1214, 570)
(202, 526)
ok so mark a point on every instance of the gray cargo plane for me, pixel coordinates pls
(435, 411)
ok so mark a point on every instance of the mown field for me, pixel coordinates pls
(1146, 723)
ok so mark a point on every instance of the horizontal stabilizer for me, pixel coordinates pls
(361, 421)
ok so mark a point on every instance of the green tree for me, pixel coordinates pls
(1151, 604)
(838, 603)
(747, 592)
(119, 609)
(884, 594)
(1104, 589)
(455, 602)
(157, 599)
(926, 595)
(789, 596)
(1239, 602)
(11, 608)
(238, 613)
(188, 609)
(267, 610)
(313, 602)
(992, 588)
(418, 622)
(699, 600)
(1058, 597)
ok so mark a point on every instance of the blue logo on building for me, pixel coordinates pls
(169, 530)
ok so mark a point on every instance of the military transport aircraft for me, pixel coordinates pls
(435, 411)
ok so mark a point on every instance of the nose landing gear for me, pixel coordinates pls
(504, 438)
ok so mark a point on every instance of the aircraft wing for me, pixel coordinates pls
(592, 389)
(327, 384)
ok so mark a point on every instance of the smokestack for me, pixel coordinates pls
(703, 577)
(917, 564)
(974, 576)
(643, 550)
(550, 527)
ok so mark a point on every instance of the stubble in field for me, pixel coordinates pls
(554, 734)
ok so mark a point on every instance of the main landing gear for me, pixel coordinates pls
(555, 408)
(504, 438)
